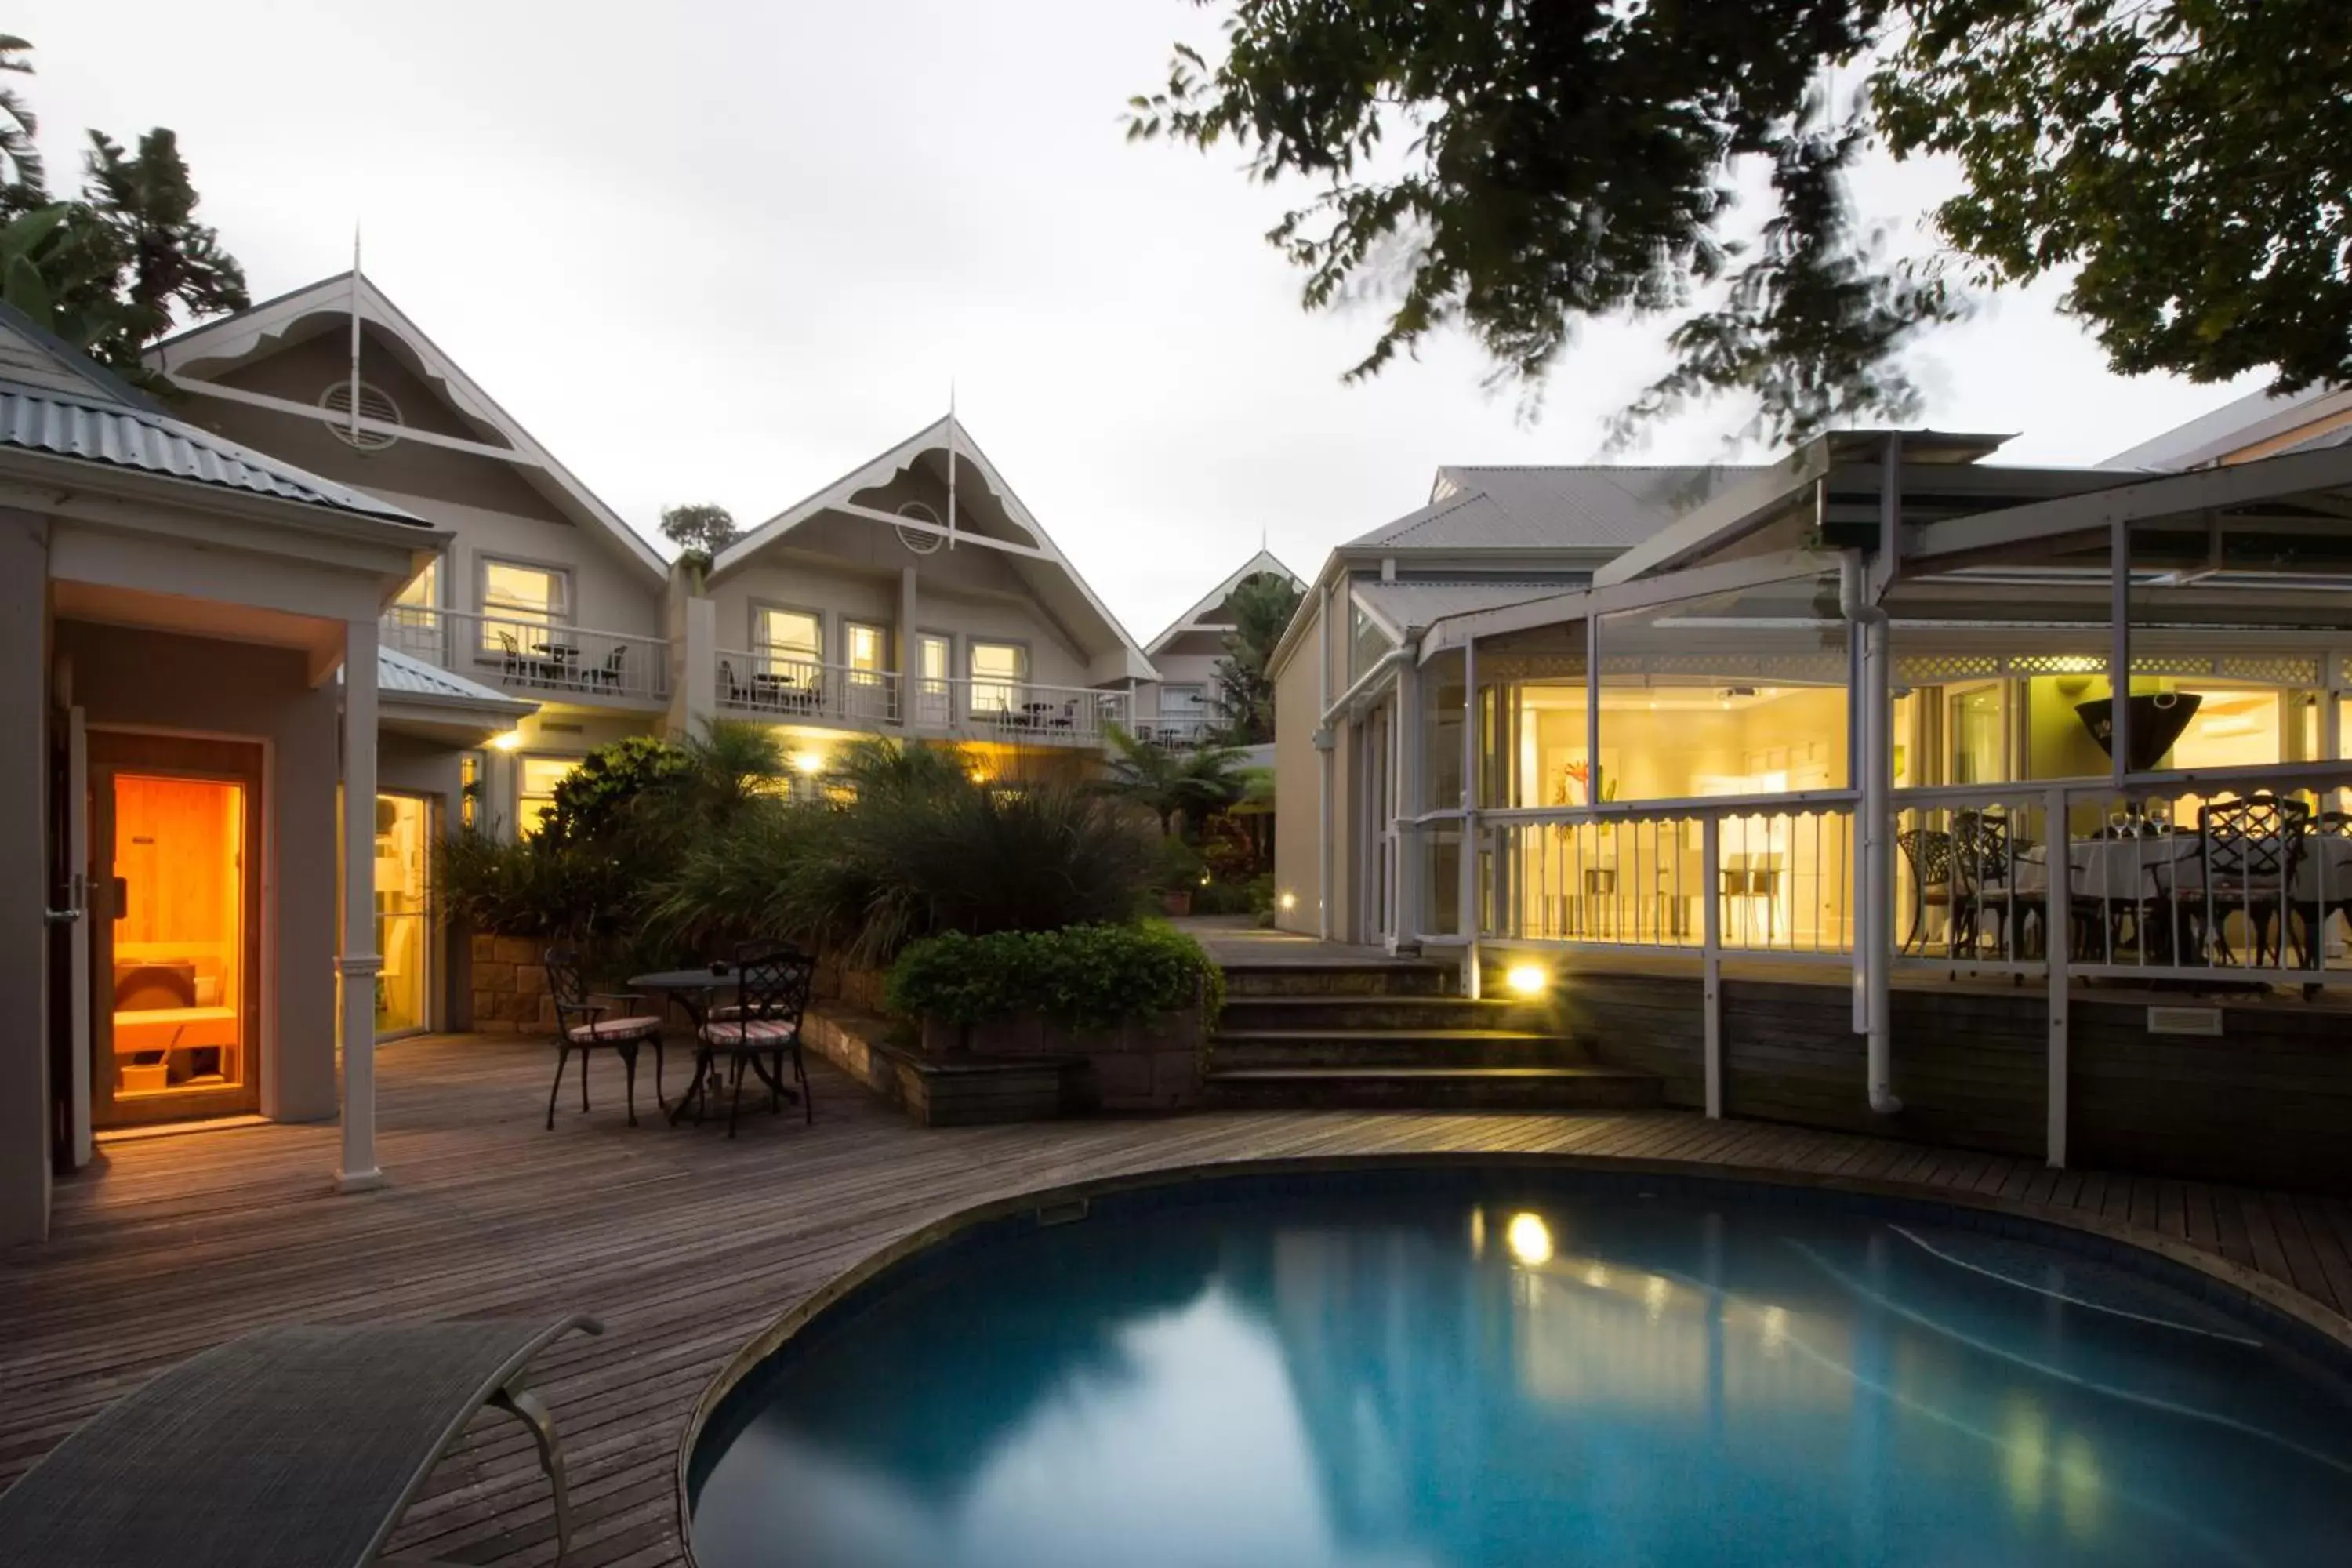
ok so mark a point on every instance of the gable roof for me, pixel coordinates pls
(58, 403)
(1037, 559)
(1264, 561)
(2241, 423)
(1536, 508)
(187, 358)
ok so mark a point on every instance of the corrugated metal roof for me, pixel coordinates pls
(1411, 607)
(1601, 507)
(399, 675)
(65, 425)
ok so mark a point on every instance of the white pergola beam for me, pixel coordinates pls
(2170, 495)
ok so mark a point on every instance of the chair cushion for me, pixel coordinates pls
(608, 1031)
(751, 1032)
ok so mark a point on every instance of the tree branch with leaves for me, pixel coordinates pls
(1516, 170)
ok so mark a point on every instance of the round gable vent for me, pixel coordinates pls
(335, 406)
(921, 542)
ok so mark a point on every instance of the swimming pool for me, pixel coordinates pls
(1460, 1367)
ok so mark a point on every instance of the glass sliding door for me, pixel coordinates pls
(866, 654)
(403, 926)
(934, 663)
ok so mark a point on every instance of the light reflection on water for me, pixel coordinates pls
(1374, 1385)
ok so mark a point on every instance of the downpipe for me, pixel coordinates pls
(1872, 970)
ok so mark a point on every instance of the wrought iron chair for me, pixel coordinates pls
(771, 993)
(2250, 850)
(581, 1024)
(609, 674)
(2323, 888)
(1929, 853)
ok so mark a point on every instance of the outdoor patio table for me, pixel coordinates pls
(691, 990)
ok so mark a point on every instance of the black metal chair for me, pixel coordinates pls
(771, 993)
(2322, 889)
(2250, 850)
(581, 1024)
(1929, 853)
(610, 673)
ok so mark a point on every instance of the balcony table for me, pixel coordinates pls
(691, 989)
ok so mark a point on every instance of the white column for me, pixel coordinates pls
(360, 962)
(905, 650)
(1404, 929)
(1465, 905)
(698, 700)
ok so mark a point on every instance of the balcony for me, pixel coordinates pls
(534, 659)
(810, 691)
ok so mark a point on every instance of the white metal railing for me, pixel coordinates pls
(2238, 874)
(1180, 729)
(1019, 712)
(780, 686)
(1778, 869)
(768, 685)
(525, 654)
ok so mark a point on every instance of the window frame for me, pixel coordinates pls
(526, 827)
(559, 619)
(769, 657)
(1015, 689)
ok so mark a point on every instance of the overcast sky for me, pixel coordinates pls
(728, 251)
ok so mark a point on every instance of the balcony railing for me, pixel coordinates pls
(777, 686)
(1777, 871)
(531, 656)
(1016, 713)
(2212, 878)
(1180, 729)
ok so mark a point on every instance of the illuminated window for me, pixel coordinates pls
(998, 671)
(520, 605)
(788, 642)
(535, 789)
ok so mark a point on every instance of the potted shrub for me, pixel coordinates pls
(1136, 1002)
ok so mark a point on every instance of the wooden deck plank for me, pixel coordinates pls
(687, 1244)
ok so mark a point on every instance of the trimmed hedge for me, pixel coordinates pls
(1083, 977)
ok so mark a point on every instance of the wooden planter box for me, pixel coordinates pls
(1152, 1064)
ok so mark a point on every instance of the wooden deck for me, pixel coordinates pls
(686, 1244)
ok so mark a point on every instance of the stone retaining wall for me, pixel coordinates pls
(510, 990)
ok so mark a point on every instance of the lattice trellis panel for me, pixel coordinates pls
(1932, 669)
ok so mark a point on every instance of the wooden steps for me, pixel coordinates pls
(1395, 1035)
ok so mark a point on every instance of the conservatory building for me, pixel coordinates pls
(1811, 748)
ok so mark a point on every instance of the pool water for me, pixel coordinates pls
(1425, 1373)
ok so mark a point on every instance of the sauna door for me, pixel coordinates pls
(175, 896)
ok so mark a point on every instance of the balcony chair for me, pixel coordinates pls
(581, 1024)
(1069, 716)
(2250, 852)
(771, 993)
(2323, 887)
(1982, 855)
(511, 663)
(1929, 853)
(296, 1445)
(608, 675)
(736, 690)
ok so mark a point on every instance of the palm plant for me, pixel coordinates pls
(1177, 785)
(920, 848)
(26, 182)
